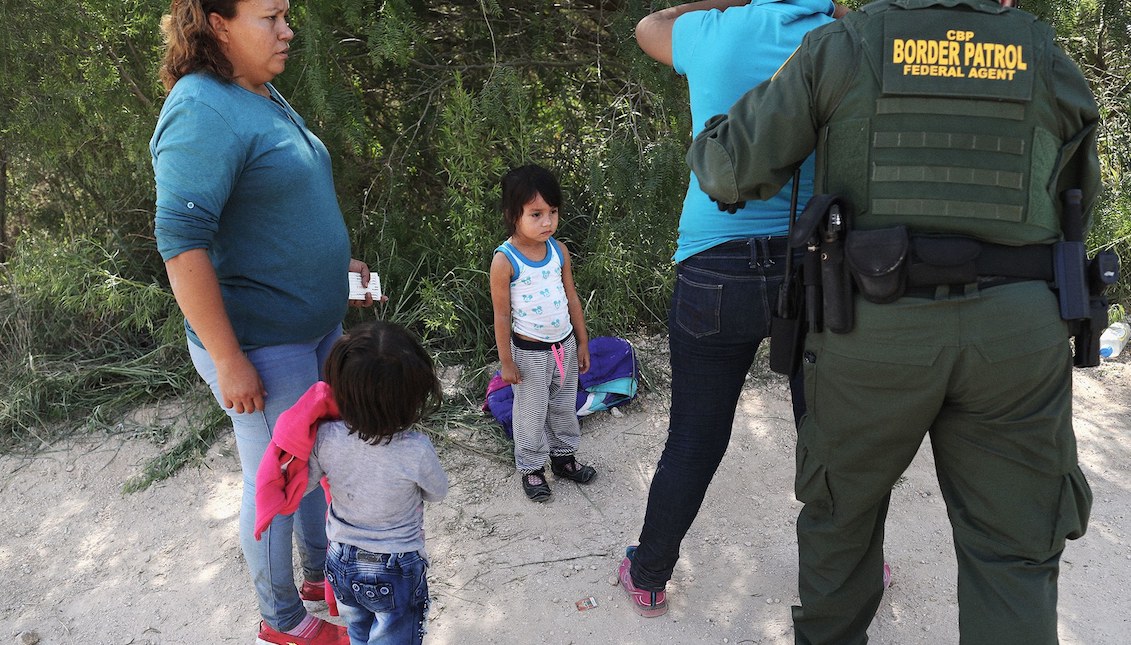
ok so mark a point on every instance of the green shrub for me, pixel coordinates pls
(84, 336)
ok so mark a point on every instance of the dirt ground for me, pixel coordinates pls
(83, 563)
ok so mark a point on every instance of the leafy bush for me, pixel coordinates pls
(84, 333)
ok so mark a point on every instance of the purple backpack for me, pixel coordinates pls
(612, 380)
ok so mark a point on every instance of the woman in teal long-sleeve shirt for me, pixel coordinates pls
(253, 240)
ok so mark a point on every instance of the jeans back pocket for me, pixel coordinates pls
(697, 306)
(378, 597)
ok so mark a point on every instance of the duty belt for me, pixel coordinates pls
(885, 264)
(936, 260)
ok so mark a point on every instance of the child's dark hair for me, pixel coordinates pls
(521, 185)
(383, 380)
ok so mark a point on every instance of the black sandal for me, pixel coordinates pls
(535, 486)
(567, 467)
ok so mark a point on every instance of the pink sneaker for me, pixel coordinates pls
(646, 603)
(887, 575)
(324, 634)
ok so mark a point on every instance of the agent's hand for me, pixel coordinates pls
(731, 208)
(240, 386)
(357, 266)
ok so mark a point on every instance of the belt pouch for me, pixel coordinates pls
(878, 259)
(943, 260)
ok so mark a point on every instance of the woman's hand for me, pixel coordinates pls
(357, 266)
(197, 290)
(240, 386)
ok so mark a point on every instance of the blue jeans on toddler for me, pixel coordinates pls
(720, 314)
(382, 596)
(287, 372)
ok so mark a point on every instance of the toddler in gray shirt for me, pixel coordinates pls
(381, 471)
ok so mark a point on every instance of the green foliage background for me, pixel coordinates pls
(423, 104)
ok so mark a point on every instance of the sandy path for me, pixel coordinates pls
(85, 564)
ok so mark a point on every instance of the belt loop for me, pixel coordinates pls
(760, 255)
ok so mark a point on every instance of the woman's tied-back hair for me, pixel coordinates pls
(521, 185)
(190, 44)
(383, 380)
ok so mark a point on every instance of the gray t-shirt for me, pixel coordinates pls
(378, 490)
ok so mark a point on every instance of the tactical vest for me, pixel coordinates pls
(955, 133)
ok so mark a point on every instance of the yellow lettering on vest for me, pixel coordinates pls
(972, 55)
(949, 55)
(999, 56)
(1014, 57)
(924, 52)
(954, 34)
(992, 74)
(995, 56)
(948, 71)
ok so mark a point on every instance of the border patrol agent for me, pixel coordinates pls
(951, 127)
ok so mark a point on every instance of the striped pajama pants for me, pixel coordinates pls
(545, 405)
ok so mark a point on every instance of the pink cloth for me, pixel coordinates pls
(280, 482)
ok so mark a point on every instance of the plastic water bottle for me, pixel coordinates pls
(1114, 339)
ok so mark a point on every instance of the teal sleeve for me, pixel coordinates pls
(685, 28)
(754, 149)
(197, 159)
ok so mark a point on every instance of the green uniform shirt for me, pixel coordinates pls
(949, 116)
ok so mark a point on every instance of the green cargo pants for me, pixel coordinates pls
(989, 375)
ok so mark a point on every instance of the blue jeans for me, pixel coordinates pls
(720, 313)
(287, 371)
(382, 596)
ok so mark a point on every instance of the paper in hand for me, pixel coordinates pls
(357, 292)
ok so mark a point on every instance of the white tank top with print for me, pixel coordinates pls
(538, 300)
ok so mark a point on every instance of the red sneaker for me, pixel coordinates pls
(312, 591)
(646, 603)
(324, 634)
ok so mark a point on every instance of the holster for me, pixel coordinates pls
(1102, 271)
(822, 230)
(1081, 284)
(836, 282)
